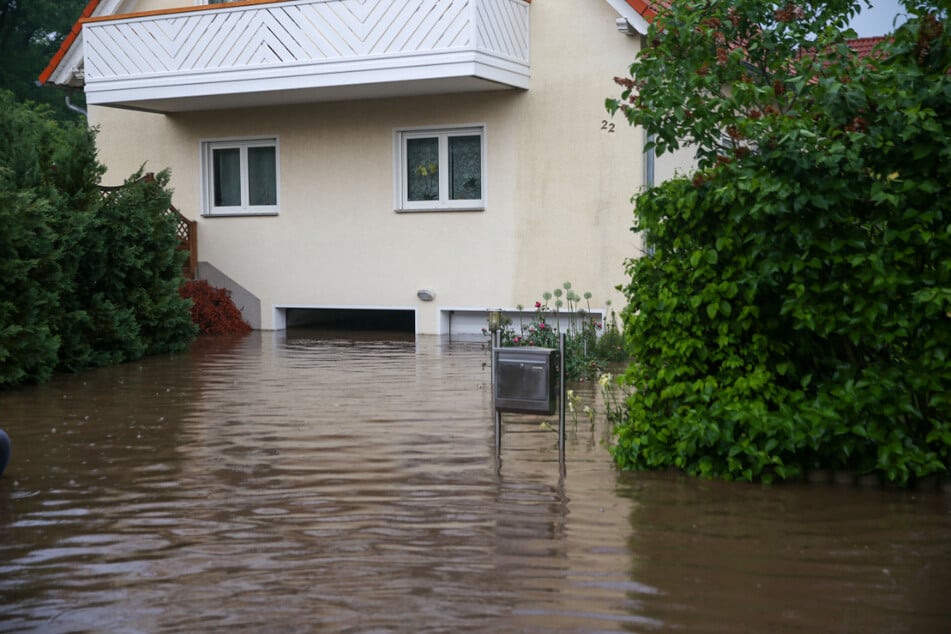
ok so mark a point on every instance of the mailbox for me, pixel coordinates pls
(525, 380)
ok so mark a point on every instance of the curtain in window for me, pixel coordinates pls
(422, 169)
(227, 177)
(465, 167)
(262, 176)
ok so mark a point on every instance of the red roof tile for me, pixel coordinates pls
(644, 8)
(864, 46)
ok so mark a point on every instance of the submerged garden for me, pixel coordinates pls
(791, 313)
(792, 309)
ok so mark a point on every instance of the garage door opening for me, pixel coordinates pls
(351, 319)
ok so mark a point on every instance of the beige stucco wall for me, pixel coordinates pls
(558, 187)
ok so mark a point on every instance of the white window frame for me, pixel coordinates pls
(207, 176)
(442, 133)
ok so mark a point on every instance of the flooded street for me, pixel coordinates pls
(304, 484)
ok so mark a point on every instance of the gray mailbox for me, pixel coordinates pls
(526, 380)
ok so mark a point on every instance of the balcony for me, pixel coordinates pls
(303, 51)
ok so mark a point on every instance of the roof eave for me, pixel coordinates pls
(638, 13)
(65, 67)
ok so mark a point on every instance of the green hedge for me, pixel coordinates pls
(85, 279)
(796, 311)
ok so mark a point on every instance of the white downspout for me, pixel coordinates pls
(74, 107)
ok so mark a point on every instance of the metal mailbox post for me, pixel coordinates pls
(525, 380)
(529, 380)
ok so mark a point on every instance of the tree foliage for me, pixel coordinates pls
(31, 32)
(723, 77)
(85, 279)
(796, 311)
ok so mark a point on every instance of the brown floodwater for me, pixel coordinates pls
(349, 484)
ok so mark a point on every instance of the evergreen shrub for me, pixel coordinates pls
(85, 279)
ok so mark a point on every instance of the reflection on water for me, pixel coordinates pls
(349, 484)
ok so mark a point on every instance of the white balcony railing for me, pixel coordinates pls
(305, 50)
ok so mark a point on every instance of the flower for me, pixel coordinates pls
(538, 304)
(605, 379)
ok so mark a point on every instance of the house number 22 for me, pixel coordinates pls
(607, 125)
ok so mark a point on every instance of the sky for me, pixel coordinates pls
(877, 20)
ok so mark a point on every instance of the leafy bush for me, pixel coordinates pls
(213, 310)
(796, 310)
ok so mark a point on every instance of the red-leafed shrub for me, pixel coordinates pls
(213, 309)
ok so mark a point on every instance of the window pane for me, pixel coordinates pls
(422, 169)
(465, 168)
(227, 177)
(262, 176)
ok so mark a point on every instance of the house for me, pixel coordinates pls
(420, 159)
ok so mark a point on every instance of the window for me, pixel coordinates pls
(240, 177)
(440, 169)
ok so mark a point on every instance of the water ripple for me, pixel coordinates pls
(350, 485)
